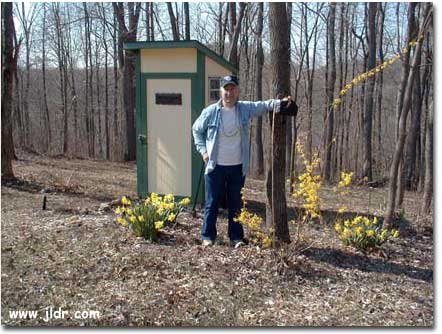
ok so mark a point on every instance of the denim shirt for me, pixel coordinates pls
(205, 129)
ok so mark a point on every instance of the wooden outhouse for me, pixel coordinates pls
(175, 81)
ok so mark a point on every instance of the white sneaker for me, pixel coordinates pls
(238, 243)
(207, 243)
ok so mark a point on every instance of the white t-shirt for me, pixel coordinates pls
(229, 140)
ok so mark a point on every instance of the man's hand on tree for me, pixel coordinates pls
(288, 107)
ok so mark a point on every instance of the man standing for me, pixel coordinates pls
(221, 135)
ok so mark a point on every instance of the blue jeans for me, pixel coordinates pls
(221, 179)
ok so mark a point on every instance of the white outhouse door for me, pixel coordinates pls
(169, 136)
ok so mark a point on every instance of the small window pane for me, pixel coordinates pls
(214, 95)
(214, 83)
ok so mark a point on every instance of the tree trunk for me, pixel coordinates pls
(257, 162)
(187, 18)
(380, 87)
(128, 70)
(233, 55)
(290, 128)
(413, 136)
(222, 29)
(7, 79)
(369, 100)
(428, 187)
(45, 96)
(116, 142)
(405, 64)
(330, 93)
(173, 22)
(427, 17)
(275, 176)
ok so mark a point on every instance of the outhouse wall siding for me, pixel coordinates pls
(213, 69)
(181, 60)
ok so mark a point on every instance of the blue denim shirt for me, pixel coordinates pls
(205, 129)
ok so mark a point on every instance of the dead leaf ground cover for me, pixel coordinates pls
(74, 257)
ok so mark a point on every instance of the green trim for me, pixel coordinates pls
(181, 44)
(198, 104)
(141, 130)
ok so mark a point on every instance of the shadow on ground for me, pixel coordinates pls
(344, 260)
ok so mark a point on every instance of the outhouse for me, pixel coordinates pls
(175, 80)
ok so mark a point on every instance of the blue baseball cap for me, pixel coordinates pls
(229, 80)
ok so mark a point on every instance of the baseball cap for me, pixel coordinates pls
(229, 80)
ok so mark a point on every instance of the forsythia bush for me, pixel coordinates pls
(363, 233)
(254, 223)
(146, 218)
(308, 187)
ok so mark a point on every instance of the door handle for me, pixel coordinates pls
(142, 139)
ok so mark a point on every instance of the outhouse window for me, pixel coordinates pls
(214, 89)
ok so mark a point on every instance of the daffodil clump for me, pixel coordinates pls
(308, 187)
(363, 233)
(146, 218)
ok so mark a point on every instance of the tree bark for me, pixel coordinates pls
(257, 162)
(127, 67)
(394, 170)
(428, 187)
(331, 80)
(7, 79)
(275, 175)
(369, 100)
(233, 54)
(187, 18)
(173, 22)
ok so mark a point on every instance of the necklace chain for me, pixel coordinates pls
(235, 131)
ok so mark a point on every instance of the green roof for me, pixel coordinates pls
(181, 44)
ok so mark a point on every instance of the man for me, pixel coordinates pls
(221, 135)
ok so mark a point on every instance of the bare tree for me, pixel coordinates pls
(428, 188)
(369, 99)
(27, 19)
(331, 79)
(276, 206)
(187, 18)
(173, 22)
(7, 77)
(127, 67)
(236, 26)
(257, 162)
(394, 170)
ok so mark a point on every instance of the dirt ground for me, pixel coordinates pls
(74, 258)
